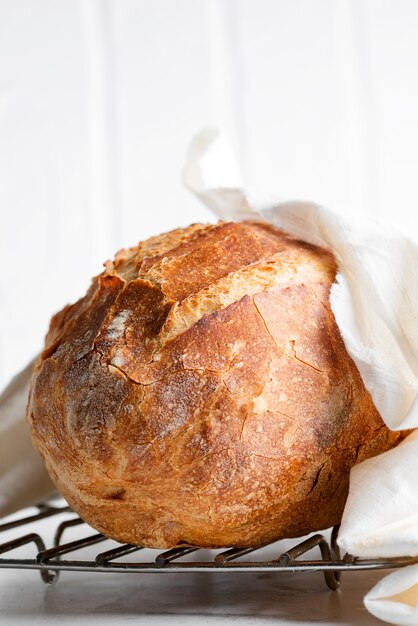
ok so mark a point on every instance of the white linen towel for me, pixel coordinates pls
(23, 478)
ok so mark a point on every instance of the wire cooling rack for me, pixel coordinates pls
(50, 561)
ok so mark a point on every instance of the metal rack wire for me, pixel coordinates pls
(49, 561)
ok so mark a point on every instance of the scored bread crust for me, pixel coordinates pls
(200, 392)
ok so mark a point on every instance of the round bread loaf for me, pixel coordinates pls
(201, 393)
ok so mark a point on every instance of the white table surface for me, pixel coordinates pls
(198, 598)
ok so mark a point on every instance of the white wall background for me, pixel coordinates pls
(99, 99)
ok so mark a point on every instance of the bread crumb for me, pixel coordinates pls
(117, 326)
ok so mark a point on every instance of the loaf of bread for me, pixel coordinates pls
(200, 392)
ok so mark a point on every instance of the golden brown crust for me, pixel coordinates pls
(201, 392)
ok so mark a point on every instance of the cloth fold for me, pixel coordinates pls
(395, 598)
(381, 513)
(23, 478)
